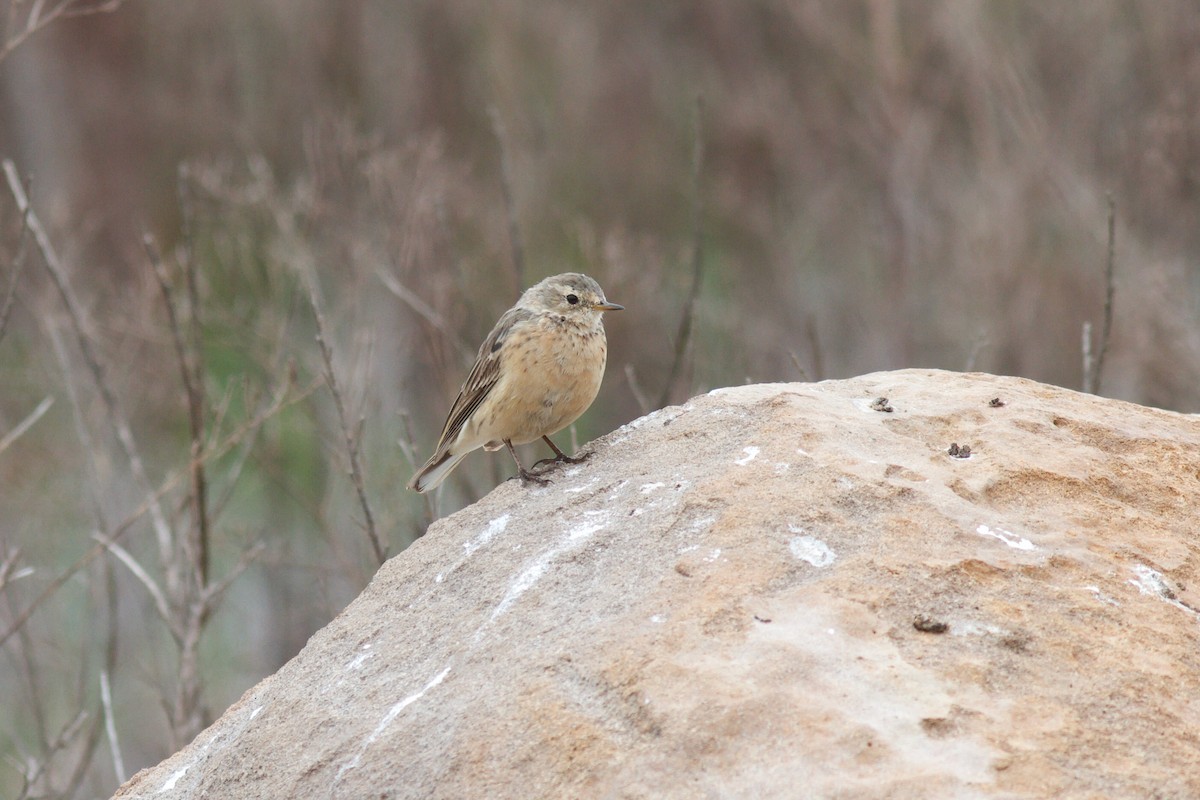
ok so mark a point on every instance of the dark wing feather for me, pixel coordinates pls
(484, 375)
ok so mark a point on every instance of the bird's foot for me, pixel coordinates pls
(564, 459)
(528, 477)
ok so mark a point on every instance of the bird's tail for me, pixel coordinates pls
(430, 476)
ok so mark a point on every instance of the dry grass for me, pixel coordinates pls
(884, 184)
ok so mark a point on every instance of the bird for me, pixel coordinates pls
(537, 372)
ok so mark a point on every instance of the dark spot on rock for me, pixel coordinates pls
(938, 727)
(926, 624)
(1016, 642)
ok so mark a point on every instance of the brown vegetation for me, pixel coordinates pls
(868, 185)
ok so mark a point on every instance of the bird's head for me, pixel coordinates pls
(571, 294)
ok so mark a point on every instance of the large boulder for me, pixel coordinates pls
(785, 590)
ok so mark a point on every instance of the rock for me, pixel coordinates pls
(786, 590)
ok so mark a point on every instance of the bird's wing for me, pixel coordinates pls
(484, 375)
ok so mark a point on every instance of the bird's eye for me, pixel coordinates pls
(572, 299)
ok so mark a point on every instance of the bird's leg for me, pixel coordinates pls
(560, 457)
(526, 475)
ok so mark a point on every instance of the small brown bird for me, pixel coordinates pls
(536, 373)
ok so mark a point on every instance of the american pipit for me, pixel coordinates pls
(536, 373)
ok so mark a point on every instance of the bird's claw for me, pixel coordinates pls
(528, 477)
(564, 460)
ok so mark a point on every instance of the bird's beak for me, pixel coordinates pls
(607, 306)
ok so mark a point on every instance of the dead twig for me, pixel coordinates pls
(16, 433)
(18, 264)
(63, 740)
(84, 754)
(683, 338)
(75, 313)
(408, 448)
(1109, 288)
(77, 418)
(635, 388)
(351, 440)
(426, 312)
(214, 592)
(1093, 368)
(8, 568)
(799, 367)
(191, 373)
(1085, 343)
(510, 206)
(110, 728)
(161, 604)
(281, 402)
(814, 340)
(192, 369)
(36, 20)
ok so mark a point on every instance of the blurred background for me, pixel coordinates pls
(862, 186)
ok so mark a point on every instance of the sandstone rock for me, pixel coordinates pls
(778, 590)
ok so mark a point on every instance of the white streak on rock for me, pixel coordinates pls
(1010, 539)
(388, 719)
(810, 549)
(533, 573)
(1152, 582)
(493, 529)
(1101, 596)
(751, 453)
(171, 781)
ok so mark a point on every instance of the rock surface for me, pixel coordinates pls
(772, 591)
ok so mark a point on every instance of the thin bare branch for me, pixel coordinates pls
(351, 441)
(510, 205)
(16, 433)
(281, 364)
(231, 475)
(426, 312)
(409, 448)
(1109, 290)
(1093, 365)
(635, 388)
(85, 754)
(281, 402)
(29, 675)
(799, 367)
(160, 599)
(194, 395)
(110, 728)
(683, 338)
(1089, 362)
(8, 568)
(214, 593)
(35, 21)
(75, 313)
(18, 264)
(164, 286)
(233, 472)
(60, 742)
(814, 340)
(195, 387)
